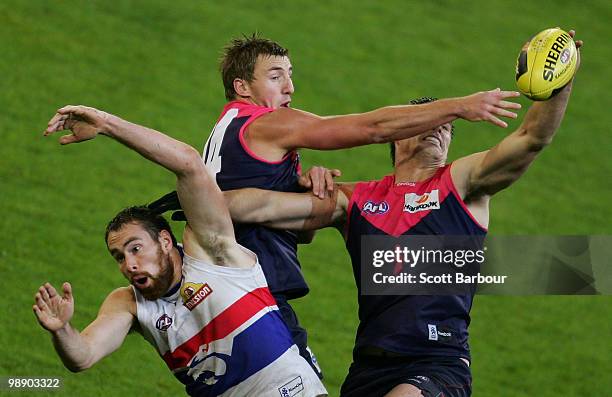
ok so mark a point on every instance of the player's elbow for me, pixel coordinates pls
(537, 144)
(75, 369)
(190, 161)
(78, 367)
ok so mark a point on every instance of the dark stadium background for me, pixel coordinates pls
(154, 63)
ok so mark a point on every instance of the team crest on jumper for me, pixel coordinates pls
(193, 294)
(427, 201)
(163, 322)
(373, 208)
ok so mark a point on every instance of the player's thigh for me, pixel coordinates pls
(405, 390)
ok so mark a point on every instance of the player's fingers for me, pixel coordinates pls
(505, 113)
(68, 139)
(50, 290)
(55, 124)
(56, 117)
(40, 302)
(67, 288)
(304, 181)
(510, 105)
(43, 292)
(329, 181)
(336, 173)
(579, 43)
(494, 120)
(318, 182)
(572, 33)
(39, 313)
(77, 110)
(509, 94)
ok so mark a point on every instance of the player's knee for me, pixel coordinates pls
(405, 390)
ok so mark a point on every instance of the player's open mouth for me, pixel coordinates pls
(285, 104)
(141, 281)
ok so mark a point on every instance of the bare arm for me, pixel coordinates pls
(80, 351)
(210, 233)
(292, 211)
(485, 173)
(287, 129)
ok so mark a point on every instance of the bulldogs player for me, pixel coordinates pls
(206, 308)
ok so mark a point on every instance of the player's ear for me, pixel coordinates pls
(165, 240)
(242, 88)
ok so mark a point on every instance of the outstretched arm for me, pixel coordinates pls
(485, 173)
(287, 129)
(80, 350)
(210, 232)
(292, 211)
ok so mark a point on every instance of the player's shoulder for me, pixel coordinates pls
(285, 118)
(121, 299)
(242, 108)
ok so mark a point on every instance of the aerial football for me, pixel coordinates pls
(546, 64)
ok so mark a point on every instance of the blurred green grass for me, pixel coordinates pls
(154, 63)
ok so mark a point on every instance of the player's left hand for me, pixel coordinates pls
(320, 180)
(84, 123)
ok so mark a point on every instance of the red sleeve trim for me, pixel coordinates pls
(253, 117)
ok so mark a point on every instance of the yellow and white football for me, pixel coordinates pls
(546, 64)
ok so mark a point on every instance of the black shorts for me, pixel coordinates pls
(299, 334)
(434, 376)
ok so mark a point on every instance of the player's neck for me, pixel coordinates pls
(177, 264)
(247, 100)
(416, 168)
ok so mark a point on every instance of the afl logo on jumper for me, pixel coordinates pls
(193, 294)
(424, 202)
(163, 323)
(373, 208)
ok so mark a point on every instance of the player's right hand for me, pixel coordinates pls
(319, 180)
(52, 310)
(488, 105)
(84, 122)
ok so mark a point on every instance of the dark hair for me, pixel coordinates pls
(239, 58)
(151, 221)
(417, 101)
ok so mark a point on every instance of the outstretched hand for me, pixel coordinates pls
(488, 105)
(52, 310)
(320, 180)
(84, 123)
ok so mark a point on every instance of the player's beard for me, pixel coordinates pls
(163, 281)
